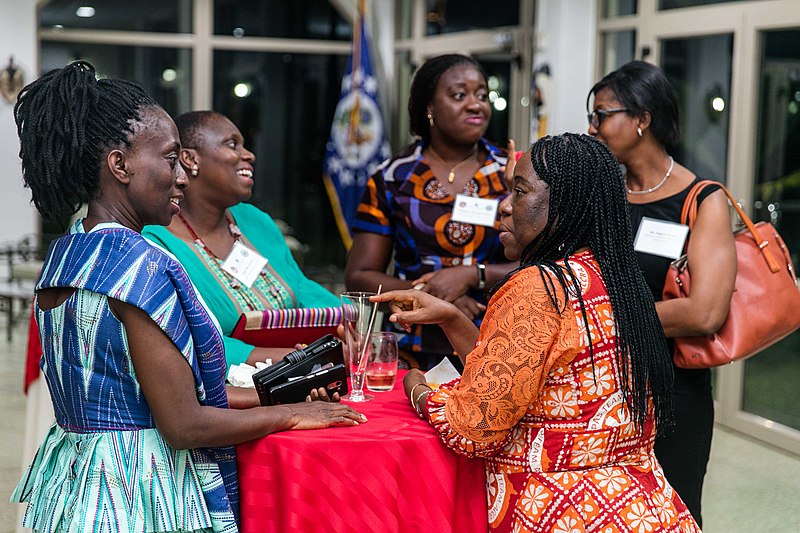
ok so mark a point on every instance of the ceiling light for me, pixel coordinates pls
(242, 89)
(85, 12)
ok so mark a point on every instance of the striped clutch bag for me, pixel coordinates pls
(286, 327)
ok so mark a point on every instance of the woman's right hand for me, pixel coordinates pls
(416, 307)
(318, 415)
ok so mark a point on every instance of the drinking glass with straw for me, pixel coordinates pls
(359, 318)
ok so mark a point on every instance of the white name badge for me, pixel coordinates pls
(474, 210)
(659, 237)
(244, 264)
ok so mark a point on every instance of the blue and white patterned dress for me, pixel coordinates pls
(103, 466)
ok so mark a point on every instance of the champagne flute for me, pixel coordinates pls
(357, 315)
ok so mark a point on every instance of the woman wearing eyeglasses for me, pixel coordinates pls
(635, 112)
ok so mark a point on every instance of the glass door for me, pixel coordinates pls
(771, 379)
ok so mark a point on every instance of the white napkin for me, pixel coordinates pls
(241, 375)
(444, 372)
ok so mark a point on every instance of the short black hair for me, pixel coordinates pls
(423, 87)
(67, 120)
(642, 87)
(190, 126)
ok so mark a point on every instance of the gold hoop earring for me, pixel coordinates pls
(195, 170)
(430, 119)
(639, 131)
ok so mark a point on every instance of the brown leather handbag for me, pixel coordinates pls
(765, 305)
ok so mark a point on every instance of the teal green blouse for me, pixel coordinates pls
(260, 231)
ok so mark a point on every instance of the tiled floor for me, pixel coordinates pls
(750, 488)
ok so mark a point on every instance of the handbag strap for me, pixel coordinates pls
(689, 216)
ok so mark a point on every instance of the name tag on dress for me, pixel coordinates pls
(474, 210)
(244, 264)
(659, 237)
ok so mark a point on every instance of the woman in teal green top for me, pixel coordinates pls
(233, 252)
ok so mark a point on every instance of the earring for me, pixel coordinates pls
(430, 119)
(639, 131)
(194, 170)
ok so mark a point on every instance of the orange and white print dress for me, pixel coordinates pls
(562, 454)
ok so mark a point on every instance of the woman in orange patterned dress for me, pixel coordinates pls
(569, 378)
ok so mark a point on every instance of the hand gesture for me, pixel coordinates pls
(416, 307)
(508, 170)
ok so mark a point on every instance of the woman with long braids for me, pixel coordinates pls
(635, 113)
(568, 379)
(143, 439)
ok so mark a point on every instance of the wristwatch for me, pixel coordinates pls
(481, 275)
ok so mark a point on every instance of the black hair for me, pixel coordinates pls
(423, 87)
(642, 87)
(67, 120)
(588, 208)
(191, 125)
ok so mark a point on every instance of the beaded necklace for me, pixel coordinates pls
(246, 296)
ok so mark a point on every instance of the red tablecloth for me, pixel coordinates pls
(391, 474)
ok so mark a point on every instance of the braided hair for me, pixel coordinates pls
(67, 121)
(423, 87)
(588, 208)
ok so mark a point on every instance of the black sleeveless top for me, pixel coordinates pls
(655, 267)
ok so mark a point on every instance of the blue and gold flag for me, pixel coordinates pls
(357, 143)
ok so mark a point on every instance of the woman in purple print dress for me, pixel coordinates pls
(409, 208)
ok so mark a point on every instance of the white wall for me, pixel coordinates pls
(566, 42)
(17, 38)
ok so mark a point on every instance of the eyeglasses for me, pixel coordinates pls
(596, 117)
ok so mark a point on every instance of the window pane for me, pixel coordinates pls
(165, 73)
(298, 19)
(460, 15)
(286, 120)
(770, 379)
(618, 8)
(674, 4)
(498, 73)
(168, 16)
(700, 71)
(402, 21)
(618, 48)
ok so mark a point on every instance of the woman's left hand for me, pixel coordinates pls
(449, 283)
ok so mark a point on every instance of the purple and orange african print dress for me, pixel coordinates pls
(405, 201)
(561, 451)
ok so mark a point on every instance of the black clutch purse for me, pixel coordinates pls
(290, 380)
